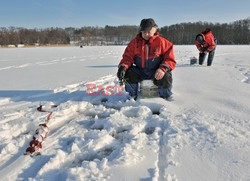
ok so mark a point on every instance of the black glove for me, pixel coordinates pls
(121, 73)
(204, 49)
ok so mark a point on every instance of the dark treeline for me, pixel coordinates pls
(109, 35)
(237, 32)
(15, 36)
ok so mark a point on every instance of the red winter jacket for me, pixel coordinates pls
(209, 42)
(150, 55)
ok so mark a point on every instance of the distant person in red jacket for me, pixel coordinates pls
(148, 57)
(206, 43)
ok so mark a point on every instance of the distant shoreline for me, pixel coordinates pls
(70, 45)
(36, 46)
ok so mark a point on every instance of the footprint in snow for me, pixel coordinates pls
(149, 130)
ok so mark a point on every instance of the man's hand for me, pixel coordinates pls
(121, 73)
(204, 49)
(159, 74)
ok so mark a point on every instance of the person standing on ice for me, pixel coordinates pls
(206, 43)
(148, 56)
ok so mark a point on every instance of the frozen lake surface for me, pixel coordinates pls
(202, 135)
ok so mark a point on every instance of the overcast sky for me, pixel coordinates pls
(78, 13)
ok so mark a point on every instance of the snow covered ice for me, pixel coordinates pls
(202, 135)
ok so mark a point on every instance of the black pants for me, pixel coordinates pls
(134, 76)
(210, 58)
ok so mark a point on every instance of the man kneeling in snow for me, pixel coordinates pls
(148, 57)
